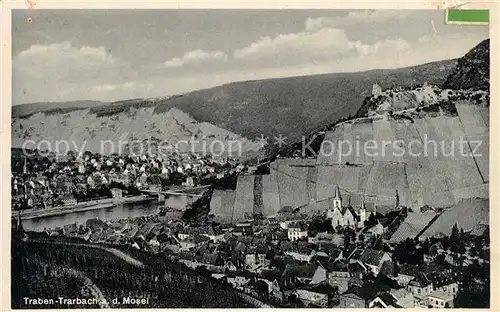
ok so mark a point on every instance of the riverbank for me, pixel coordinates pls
(80, 207)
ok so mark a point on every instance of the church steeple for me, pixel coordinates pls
(337, 199)
(363, 216)
(337, 192)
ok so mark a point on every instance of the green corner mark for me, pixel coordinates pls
(467, 16)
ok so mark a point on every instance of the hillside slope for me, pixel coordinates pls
(53, 107)
(289, 106)
(295, 106)
(472, 70)
(406, 171)
(384, 176)
(134, 129)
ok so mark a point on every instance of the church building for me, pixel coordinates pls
(345, 215)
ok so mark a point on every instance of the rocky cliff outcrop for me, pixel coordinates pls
(472, 70)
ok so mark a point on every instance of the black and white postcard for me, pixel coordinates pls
(247, 158)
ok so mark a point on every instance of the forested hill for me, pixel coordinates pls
(289, 106)
(472, 70)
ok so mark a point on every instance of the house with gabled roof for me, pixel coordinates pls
(444, 282)
(297, 231)
(434, 251)
(302, 254)
(320, 275)
(374, 259)
(332, 251)
(354, 255)
(299, 273)
(357, 269)
(227, 263)
(377, 230)
(440, 299)
(404, 298)
(212, 259)
(420, 287)
(384, 300)
(353, 300)
(243, 229)
(193, 242)
(215, 234)
(406, 273)
(358, 297)
(338, 274)
(319, 295)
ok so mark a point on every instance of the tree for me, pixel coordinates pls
(371, 221)
(71, 155)
(263, 169)
(349, 238)
(425, 246)
(407, 252)
(474, 292)
(321, 225)
(133, 191)
(361, 237)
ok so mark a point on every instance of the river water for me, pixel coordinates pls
(120, 211)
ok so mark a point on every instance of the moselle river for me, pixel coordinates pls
(117, 212)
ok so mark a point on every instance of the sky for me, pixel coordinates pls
(110, 55)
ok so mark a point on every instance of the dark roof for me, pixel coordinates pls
(356, 267)
(322, 288)
(187, 255)
(408, 269)
(355, 254)
(150, 236)
(304, 250)
(389, 299)
(200, 238)
(339, 266)
(371, 256)
(420, 281)
(335, 253)
(351, 210)
(433, 250)
(210, 258)
(162, 238)
(331, 249)
(305, 270)
(241, 247)
(441, 279)
(243, 228)
(251, 250)
(368, 292)
(261, 249)
(297, 225)
(270, 275)
(387, 268)
(286, 209)
(214, 231)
